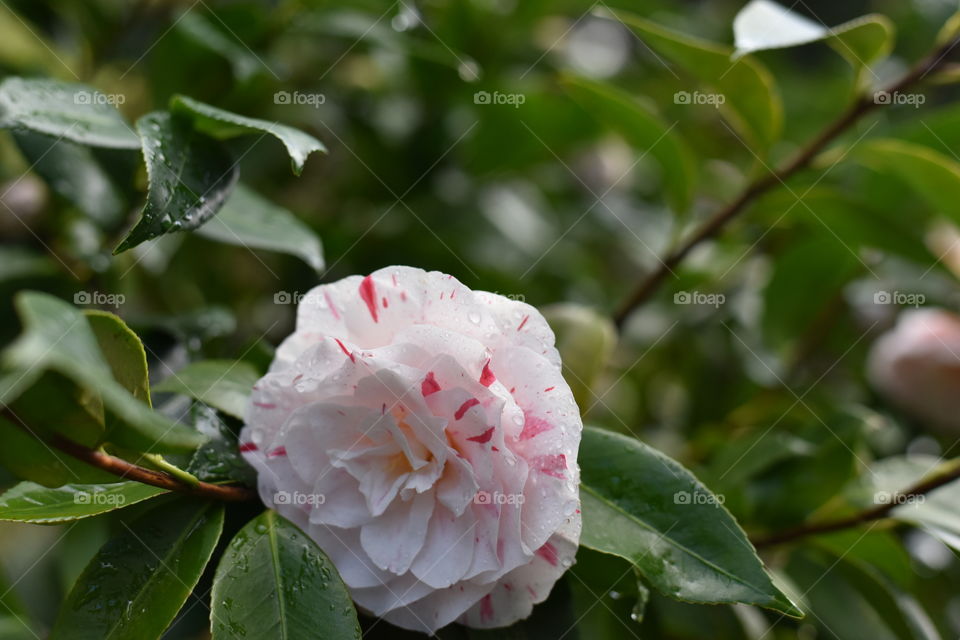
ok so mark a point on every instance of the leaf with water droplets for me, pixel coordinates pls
(644, 507)
(189, 178)
(64, 110)
(224, 125)
(135, 585)
(274, 582)
(31, 502)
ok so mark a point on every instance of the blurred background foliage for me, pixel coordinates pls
(763, 396)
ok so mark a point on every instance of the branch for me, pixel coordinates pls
(876, 513)
(128, 471)
(715, 224)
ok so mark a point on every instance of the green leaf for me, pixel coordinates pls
(642, 506)
(75, 173)
(58, 337)
(31, 502)
(808, 275)
(224, 384)
(585, 340)
(136, 584)
(200, 31)
(274, 582)
(752, 103)
(644, 130)
(855, 601)
(850, 220)
(933, 175)
(190, 176)
(123, 351)
(223, 125)
(218, 459)
(878, 550)
(763, 24)
(64, 110)
(249, 220)
(54, 403)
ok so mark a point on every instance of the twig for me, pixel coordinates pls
(714, 224)
(876, 513)
(129, 471)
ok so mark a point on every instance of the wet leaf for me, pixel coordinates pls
(274, 582)
(223, 125)
(190, 176)
(644, 507)
(136, 584)
(64, 110)
(36, 504)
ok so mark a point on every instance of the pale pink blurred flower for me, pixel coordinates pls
(916, 365)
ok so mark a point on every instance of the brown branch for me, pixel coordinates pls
(876, 513)
(714, 224)
(128, 471)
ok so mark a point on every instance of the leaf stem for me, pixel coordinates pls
(950, 473)
(713, 225)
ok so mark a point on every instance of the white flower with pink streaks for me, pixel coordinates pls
(423, 435)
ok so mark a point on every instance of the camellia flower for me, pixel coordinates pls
(917, 366)
(422, 434)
